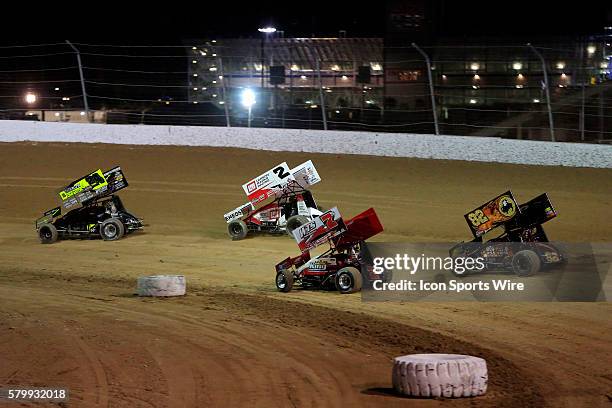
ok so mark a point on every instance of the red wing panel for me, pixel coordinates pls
(360, 228)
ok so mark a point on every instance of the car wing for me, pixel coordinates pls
(94, 185)
(49, 216)
(359, 228)
(265, 185)
(320, 230)
(492, 214)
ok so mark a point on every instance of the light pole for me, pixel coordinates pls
(551, 124)
(434, 108)
(248, 100)
(265, 31)
(78, 55)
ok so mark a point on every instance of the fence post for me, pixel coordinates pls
(551, 124)
(321, 96)
(431, 88)
(78, 54)
(582, 124)
(224, 90)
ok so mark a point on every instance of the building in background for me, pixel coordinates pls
(289, 75)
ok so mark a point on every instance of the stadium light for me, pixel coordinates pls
(30, 98)
(267, 30)
(248, 100)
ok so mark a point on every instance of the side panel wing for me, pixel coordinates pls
(498, 211)
(320, 230)
(116, 180)
(537, 211)
(306, 174)
(93, 185)
(359, 228)
(82, 189)
(264, 186)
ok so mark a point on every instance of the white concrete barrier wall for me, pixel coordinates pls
(301, 140)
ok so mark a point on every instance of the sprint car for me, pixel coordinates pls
(342, 266)
(522, 246)
(89, 209)
(279, 201)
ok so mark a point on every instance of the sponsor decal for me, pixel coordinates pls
(321, 264)
(306, 174)
(261, 187)
(92, 181)
(239, 212)
(507, 206)
(491, 214)
(321, 229)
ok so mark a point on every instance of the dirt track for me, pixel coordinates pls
(67, 316)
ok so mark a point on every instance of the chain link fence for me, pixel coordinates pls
(544, 91)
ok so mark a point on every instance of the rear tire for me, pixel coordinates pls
(112, 229)
(348, 280)
(284, 281)
(237, 229)
(295, 222)
(526, 263)
(47, 233)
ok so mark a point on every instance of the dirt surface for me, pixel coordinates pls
(68, 316)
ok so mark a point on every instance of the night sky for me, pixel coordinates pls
(173, 22)
(169, 22)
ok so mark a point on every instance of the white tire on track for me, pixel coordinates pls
(161, 285)
(440, 375)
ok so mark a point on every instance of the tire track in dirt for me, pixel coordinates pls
(237, 370)
(93, 362)
(253, 358)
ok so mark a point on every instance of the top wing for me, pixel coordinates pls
(280, 180)
(320, 230)
(359, 228)
(305, 175)
(92, 186)
(494, 213)
(264, 186)
(536, 211)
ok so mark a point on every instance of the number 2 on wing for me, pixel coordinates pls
(279, 171)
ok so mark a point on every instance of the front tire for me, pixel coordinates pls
(237, 229)
(47, 233)
(526, 263)
(284, 281)
(295, 222)
(348, 280)
(112, 229)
